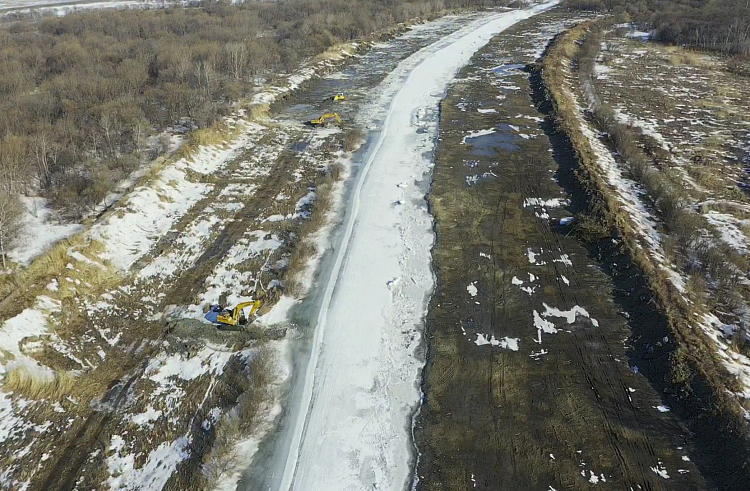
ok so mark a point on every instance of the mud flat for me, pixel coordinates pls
(536, 340)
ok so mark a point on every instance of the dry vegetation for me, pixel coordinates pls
(695, 369)
(83, 96)
(716, 25)
(240, 421)
(692, 248)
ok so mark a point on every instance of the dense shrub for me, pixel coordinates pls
(89, 89)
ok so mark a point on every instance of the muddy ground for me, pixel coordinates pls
(537, 340)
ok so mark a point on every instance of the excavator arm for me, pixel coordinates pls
(235, 316)
(238, 309)
(324, 119)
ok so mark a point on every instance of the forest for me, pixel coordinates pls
(722, 26)
(82, 96)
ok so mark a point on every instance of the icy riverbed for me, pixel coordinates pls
(362, 381)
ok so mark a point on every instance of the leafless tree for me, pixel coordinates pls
(11, 222)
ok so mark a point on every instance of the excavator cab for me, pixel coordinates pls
(232, 317)
(339, 97)
(325, 119)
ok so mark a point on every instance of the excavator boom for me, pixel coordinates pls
(321, 121)
(222, 316)
(238, 309)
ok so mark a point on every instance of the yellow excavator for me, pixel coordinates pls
(325, 119)
(339, 97)
(232, 317)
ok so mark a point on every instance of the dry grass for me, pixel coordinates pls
(305, 250)
(216, 134)
(354, 137)
(21, 381)
(336, 52)
(257, 112)
(695, 360)
(92, 278)
(240, 421)
(681, 57)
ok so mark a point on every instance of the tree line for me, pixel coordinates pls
(717, 25)
(82, 96)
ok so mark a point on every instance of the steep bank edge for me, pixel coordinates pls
(702, 400)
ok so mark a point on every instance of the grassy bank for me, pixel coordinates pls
(704, 397)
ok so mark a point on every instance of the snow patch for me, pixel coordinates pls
(506, 343)
(42, 229)
(476, 134)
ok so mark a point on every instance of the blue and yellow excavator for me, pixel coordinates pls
(224, 316)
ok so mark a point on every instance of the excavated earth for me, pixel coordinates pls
(537, 341)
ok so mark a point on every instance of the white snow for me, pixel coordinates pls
(11, 424)
(30, 323)
(543, 324)
(563, 259)
(506, 342)
(363, 374)
(545, 203)
(225, 278)
(41, 230)
(486, 111)
(642, 35)
(154, 474)
(145, 418)
(477, 133)
(729, 229)
(152, 210)
(660, 470)
(185, 250)
(568, 315)
(209, 359)
(81, 258)
(532, 255)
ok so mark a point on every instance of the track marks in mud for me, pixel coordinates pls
(281, 172)
(564, 417)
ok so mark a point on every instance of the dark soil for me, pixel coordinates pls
(572, 411)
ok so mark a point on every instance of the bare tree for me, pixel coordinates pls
(11, 222)
(236, 58)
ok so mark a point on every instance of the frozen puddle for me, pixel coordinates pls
(361, 384)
